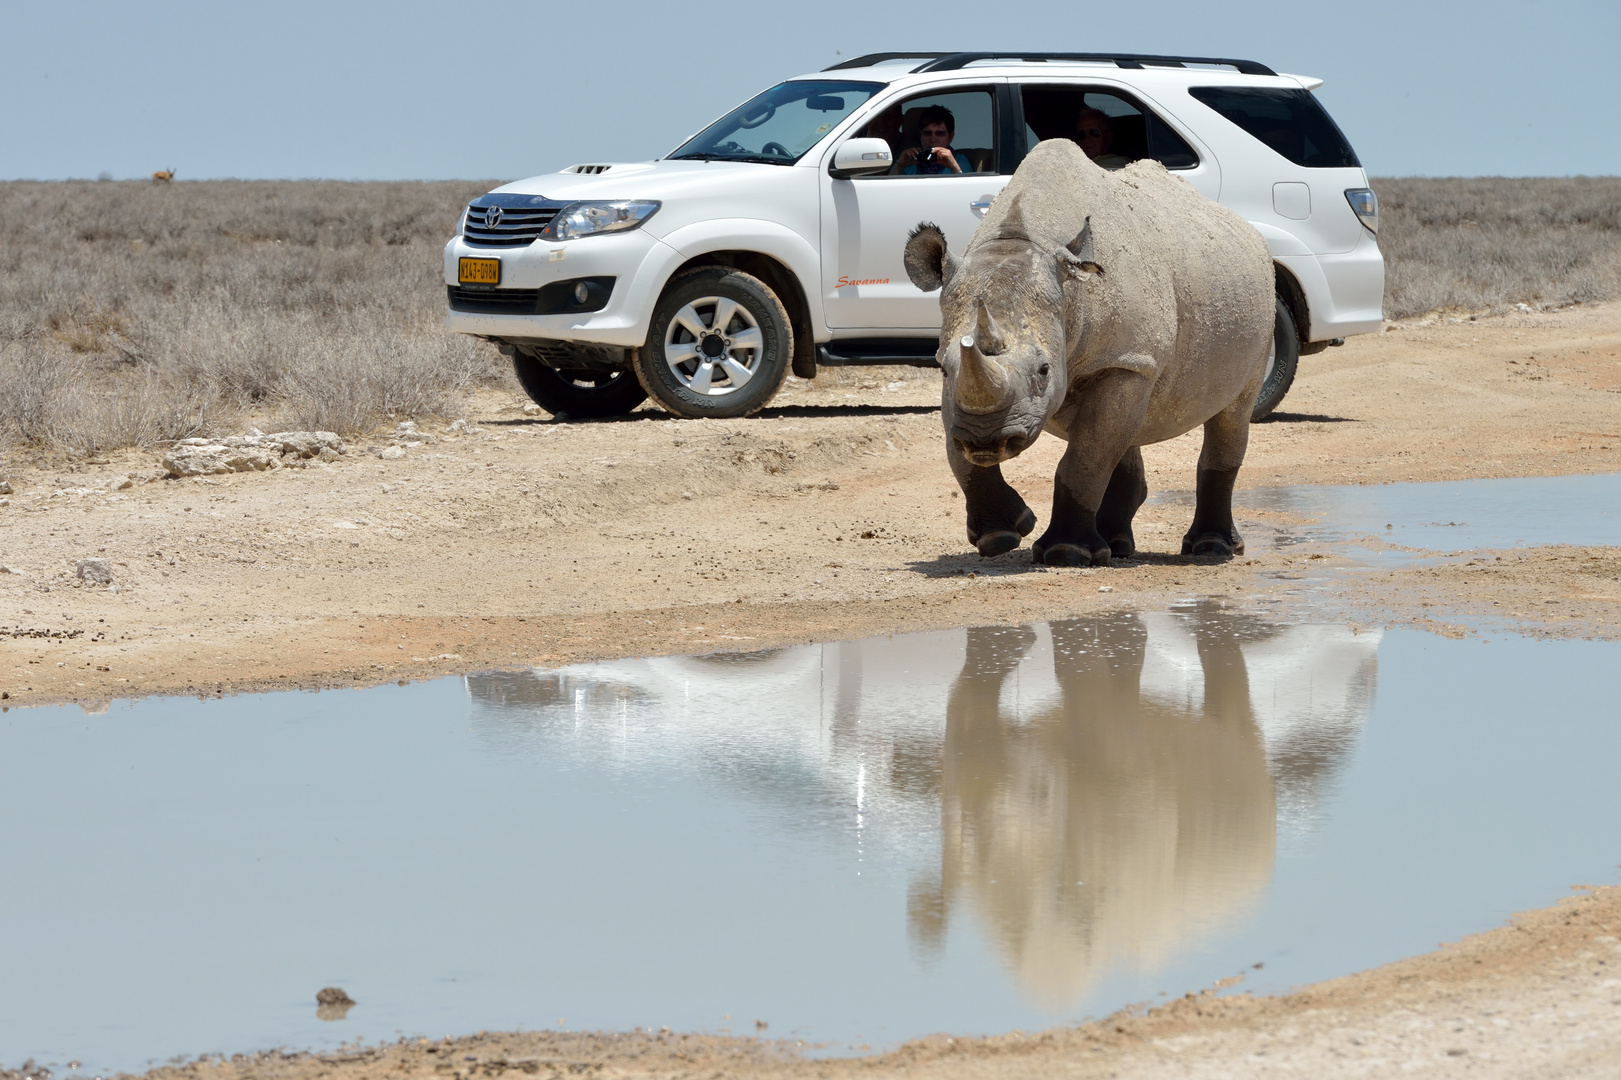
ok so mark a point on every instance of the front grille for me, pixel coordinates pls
(518, 220)
(493, 301)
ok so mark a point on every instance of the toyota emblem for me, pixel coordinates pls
(492, 217)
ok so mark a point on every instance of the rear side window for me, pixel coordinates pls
(1289, 121)
(1112, 128)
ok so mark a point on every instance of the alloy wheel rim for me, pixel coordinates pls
(713, 346)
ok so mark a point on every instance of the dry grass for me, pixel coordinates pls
(1488, 243)
(135, 313)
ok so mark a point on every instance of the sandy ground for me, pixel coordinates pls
(520, 541)
(526, 541)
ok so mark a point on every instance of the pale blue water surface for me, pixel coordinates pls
(968, 831)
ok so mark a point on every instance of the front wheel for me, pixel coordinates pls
(580, 394)
(1280, 366)
(720, 345)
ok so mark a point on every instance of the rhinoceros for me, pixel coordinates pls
(1115, 310)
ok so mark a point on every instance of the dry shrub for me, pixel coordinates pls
(54, 399)
(135, 313)
(132, 313)
(1491, 242)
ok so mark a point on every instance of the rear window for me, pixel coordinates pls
(1289, 121)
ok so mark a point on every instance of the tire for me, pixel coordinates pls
(578, 394)
(696, 368)
(1280, 366)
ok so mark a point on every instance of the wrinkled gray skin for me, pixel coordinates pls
(1113, 309)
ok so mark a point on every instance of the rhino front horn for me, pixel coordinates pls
(982, 383)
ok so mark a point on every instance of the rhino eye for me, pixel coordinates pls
(1043, 370)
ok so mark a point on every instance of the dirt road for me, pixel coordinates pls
(525, 541)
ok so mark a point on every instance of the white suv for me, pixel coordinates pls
(771, 241)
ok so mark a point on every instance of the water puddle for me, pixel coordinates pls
(1445, 516)
(968, 831)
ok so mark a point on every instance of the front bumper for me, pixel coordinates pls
(639, 261)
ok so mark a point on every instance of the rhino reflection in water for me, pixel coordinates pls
(1097, 792)
(1111, 823)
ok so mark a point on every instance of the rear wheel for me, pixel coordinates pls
(1281, 365)
(720, 345)
(583, 394)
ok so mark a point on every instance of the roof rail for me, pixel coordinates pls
(870, 59)
(954, 61)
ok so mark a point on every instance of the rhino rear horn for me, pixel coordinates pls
(929, 263)
(987, 336)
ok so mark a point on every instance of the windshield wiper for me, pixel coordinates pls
(761, 159)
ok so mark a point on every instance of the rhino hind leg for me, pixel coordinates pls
(1226, 435)
(1127, 491)
(998, 519)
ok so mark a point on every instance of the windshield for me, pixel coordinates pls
(780, 125)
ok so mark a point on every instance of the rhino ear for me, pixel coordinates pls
(1076, 256)
(928, 262)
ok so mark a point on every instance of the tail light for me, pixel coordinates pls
(1366, 205)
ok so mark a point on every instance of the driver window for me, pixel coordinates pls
(948, 134)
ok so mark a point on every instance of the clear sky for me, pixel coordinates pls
(422, 90)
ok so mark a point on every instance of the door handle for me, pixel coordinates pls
(982, 204)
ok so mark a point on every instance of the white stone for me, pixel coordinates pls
(200, 458)
(99, 571)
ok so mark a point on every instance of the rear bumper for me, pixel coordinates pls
(1345, 293)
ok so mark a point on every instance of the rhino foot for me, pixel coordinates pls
(1222, 547)
(1123, 547)
(1070, 555)
(999, 541)
(996, 543)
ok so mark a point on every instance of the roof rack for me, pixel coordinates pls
(955, 61)
(872, 59)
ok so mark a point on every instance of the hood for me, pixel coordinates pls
(662, 179)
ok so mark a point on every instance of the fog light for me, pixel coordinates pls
(581, 293)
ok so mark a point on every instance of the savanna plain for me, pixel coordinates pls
(463, 529)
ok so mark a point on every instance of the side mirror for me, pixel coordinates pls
(861, 157)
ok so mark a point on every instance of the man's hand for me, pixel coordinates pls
(942, 155)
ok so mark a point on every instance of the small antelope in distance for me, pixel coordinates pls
(163, 176)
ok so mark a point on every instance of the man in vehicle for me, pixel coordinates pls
(936, 128)
(1095, 134)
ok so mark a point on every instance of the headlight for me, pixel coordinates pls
(589, 218)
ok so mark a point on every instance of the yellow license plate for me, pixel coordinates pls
(480, 271)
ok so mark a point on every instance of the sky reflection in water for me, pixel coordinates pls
(963, 831)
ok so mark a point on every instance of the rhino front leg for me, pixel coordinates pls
(1226, 437)
(1086, 500)
(998, 519)
(1127, 491)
